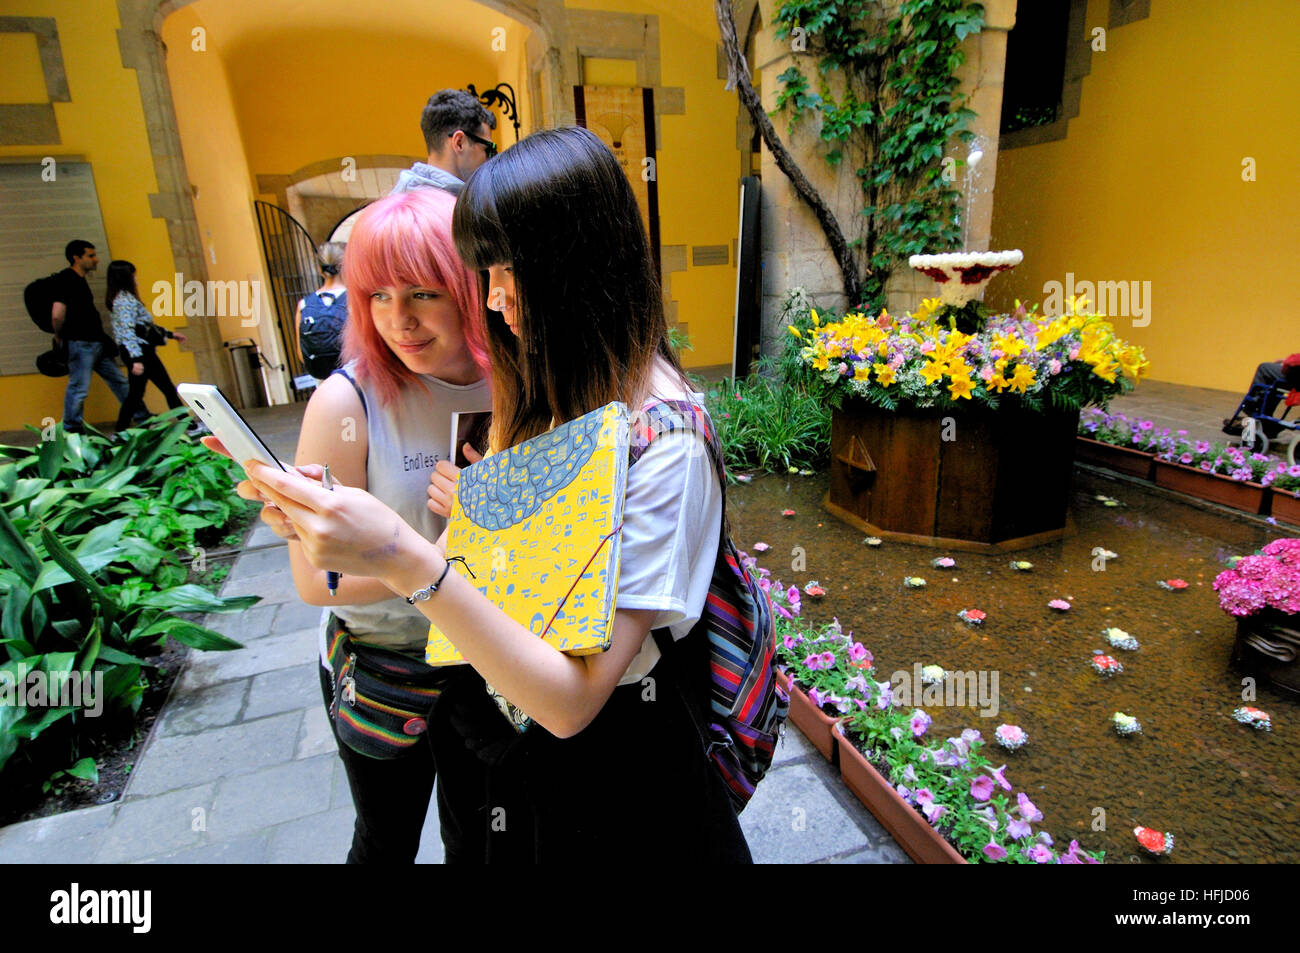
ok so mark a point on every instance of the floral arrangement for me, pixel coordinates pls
(951, 783)
(955, 786)
(916, 360)
(1255, 717)
(1125, 724)
(1011, 737)
(1106, 665)
(1270, 578)
(1120, 639)
(1233, 462)
(1122, 431)
(1154, 842)
(1283, 477)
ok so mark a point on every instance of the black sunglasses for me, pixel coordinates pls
(487, 144)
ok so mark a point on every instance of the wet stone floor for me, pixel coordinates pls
(1227, 792)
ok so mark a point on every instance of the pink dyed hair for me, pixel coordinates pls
(402, 240)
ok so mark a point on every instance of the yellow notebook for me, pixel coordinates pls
(538, 526)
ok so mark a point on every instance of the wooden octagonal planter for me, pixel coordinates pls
(965, 478)
(907, 825)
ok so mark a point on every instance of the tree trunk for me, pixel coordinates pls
(738, 77)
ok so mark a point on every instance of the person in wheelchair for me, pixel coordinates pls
(1271, 383)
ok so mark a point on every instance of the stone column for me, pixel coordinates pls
(795, 252)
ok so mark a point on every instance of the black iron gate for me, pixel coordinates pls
(294, 270)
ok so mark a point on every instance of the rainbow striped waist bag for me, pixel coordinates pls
(382, 699)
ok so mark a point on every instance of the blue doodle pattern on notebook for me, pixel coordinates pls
(508, 487)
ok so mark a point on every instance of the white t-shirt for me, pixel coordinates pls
(672, 516)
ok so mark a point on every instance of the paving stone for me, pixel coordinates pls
(190, 710)
(340, 792)
(147, 827)
(253, 623)
(889, 853)
(262, 799)
(182, 761)
(315, 737)
(263, 655)
(296, 615)
(431, 851)
(260, 563)
(243, 850)
(286, 689)
(274, 586)
(70, 838)
(262, 535)
(792, 746)
(317, 839)
(794, 819)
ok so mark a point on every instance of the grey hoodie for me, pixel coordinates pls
(425, 176)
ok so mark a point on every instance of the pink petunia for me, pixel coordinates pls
(981, 789)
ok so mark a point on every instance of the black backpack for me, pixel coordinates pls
(320, 335)
(39, 299)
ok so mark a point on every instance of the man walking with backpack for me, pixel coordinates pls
(322, 314)
(75, 320)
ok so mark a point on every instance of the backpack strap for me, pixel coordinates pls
(362, 397)
(663, 416)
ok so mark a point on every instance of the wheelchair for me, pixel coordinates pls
(1259, 430)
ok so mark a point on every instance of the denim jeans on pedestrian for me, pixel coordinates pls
(83, 358)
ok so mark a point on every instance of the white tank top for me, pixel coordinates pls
(406, 440)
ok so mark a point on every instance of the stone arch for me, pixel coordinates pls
(141, 47)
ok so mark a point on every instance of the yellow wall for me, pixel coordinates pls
(215, 164)
(697, 168)
(1148, 186)
(104, 123)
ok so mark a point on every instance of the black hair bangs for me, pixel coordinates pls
(476, 226)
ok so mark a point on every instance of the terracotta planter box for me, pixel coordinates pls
(1268, 644)
(965, 478)
(907, 825)
(1120, 459)
(1286, 507)
(815, 724)
(1214, 487)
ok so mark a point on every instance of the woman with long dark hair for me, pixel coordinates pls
(138, 339)
(575, 320)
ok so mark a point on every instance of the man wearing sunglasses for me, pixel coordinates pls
(457, 133)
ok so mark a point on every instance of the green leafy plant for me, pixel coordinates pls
(95, 538)
(83, 770)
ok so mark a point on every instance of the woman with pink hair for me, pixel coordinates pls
(414, 354)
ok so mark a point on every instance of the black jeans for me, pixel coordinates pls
(153, 372)
(391, 798)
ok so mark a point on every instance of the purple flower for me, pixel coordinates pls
(778, 608)
(989, 815)
(909, 774)
(1018, 829)
(970, 736)
(924, 796)
(993, 852)
(886, 696)
(1186, 458)
(904, 792)
(1027, 809)
(998, 776)
(920, 722)
(933, 812)
(817, 697)
(981, 789)
(1040, 854)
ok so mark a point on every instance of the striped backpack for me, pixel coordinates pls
(746, 709)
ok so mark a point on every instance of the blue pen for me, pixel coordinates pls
(331, 577)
